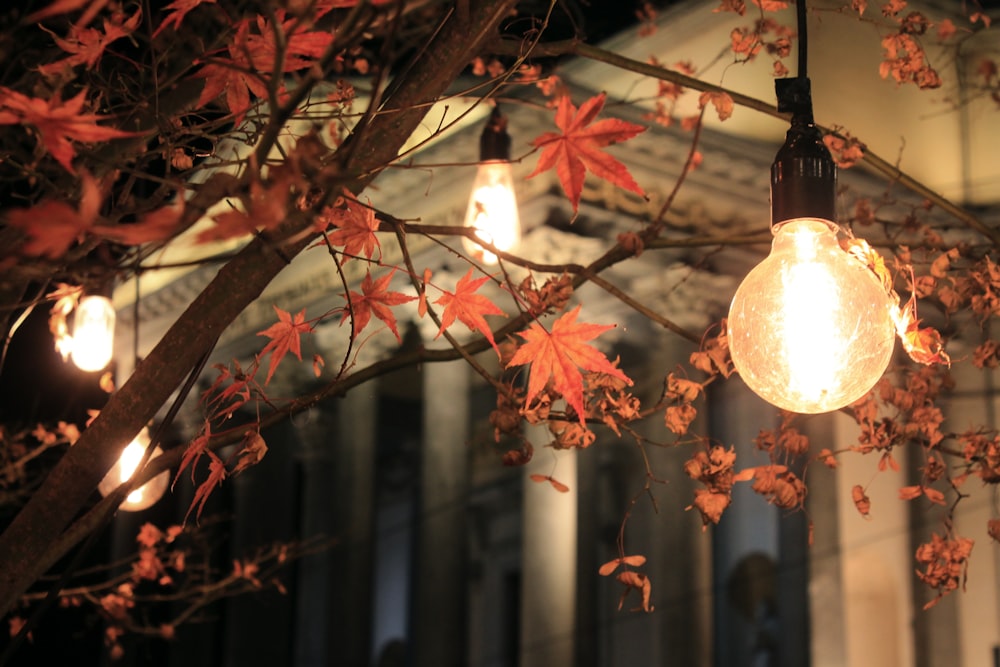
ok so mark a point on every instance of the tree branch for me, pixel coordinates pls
(24, 544)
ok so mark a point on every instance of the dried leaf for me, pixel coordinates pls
(722, 102)
(861, 500)
(637, 581)
(149, 535)
(254, 449)
(679, 417)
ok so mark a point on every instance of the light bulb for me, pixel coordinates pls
(93, 333)
(125, 467)
(492, 211)
(810, 328)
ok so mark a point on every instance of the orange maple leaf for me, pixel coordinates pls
(576, 149)
(284, 335)
(469, 307)
(375, 299)
(53, 226)
(560, 354)
(57, 123)
(356, 226)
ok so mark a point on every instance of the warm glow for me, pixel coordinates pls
(131, 456)
(93, 333)
(493, 211)
(810, 328)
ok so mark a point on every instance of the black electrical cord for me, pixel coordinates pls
(803, 175)
(800, 14)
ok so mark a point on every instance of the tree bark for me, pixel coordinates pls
(25, 552)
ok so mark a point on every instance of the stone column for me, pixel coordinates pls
(548, 560)
(315, 430)
(439, 586)
(677, 550)
(974, 623)
(264, 511)
(348, 625)
(746, 545)
(827, 636)
(876, 561)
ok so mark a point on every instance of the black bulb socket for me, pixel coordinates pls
(803, 175)
(494, 143)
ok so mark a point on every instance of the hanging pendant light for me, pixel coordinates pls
(492, 210)
(147, 494)
(93, 333)
(810, 328)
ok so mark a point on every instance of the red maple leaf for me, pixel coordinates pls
(577, 148)
(53, 226)
(558, 356)
(195, 449)
(216, 473)
(251, 60)
(57, 123)
(263, 208)
(158, 225)
(64, 7)
(356, 226)
(284, 335)
(231, 82)
(85, 45)
(180, 9)
(235, 394)
(469, 307)
(375, 299)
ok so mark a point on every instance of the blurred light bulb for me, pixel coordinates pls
(93, 333)
(125, 467)
(492, 211)
(810, 327)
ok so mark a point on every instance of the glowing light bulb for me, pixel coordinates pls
(492, 211)
(93, 333)
(810, 328)
(125, 467)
